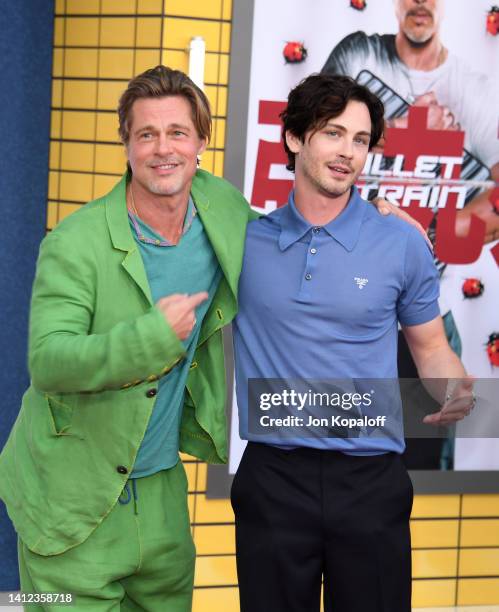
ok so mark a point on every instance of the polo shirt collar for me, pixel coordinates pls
(293, 225)
(345, 228)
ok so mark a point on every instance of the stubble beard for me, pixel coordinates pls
(167, 186)
(420, 41)
(329, 188)
(162, 190)
(417, 41)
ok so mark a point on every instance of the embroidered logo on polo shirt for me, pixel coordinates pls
(361, 282)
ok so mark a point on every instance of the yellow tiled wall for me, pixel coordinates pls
(455, 542)
(98, 46)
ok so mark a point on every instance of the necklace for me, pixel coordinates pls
(132, 202)
(411, 95)
(181, 230)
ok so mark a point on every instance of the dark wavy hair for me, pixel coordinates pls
(321, 97)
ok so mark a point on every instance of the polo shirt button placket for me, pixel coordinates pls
(313, 250)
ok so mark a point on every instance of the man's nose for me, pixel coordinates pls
(346, 150)
(164, 145)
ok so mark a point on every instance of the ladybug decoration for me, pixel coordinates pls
(493, 21)
(493, 349)
(472, 288)
(294, 52)
(494, 198)
(358, 5)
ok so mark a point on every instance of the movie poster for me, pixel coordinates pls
(439, 159)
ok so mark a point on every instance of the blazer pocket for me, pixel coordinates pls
(60, 415)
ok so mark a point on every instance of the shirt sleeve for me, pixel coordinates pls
(483, 119)
(64, 356)
(349, 55)
(418, 301)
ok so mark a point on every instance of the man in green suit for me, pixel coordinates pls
(126, 362)
(127, 366)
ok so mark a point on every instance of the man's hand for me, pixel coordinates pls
(458, 404)
(387, 208)
(179, 311)
(439, 117)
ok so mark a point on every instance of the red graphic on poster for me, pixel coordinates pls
(413, 142)
(265, 188)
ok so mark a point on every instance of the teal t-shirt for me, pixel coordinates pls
(187, 267)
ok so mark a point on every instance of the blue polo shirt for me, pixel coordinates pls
(324, 303)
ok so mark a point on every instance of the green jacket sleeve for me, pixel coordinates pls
(64, 357)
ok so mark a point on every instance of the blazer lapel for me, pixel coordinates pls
(122, 238)
(224, 225)
(225, 228)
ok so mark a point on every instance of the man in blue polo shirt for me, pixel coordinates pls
(325, 282)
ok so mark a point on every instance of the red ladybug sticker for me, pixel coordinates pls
(294, 52)
(359, 5)
(492, 24)
(472, 288)
(493, 349)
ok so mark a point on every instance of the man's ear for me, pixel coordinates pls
(293, 142)
(202, 146)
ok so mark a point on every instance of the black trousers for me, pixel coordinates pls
(309, 516)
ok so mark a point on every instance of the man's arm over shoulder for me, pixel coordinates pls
(64, 356)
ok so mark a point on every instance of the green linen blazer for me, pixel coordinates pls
(97, 346)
